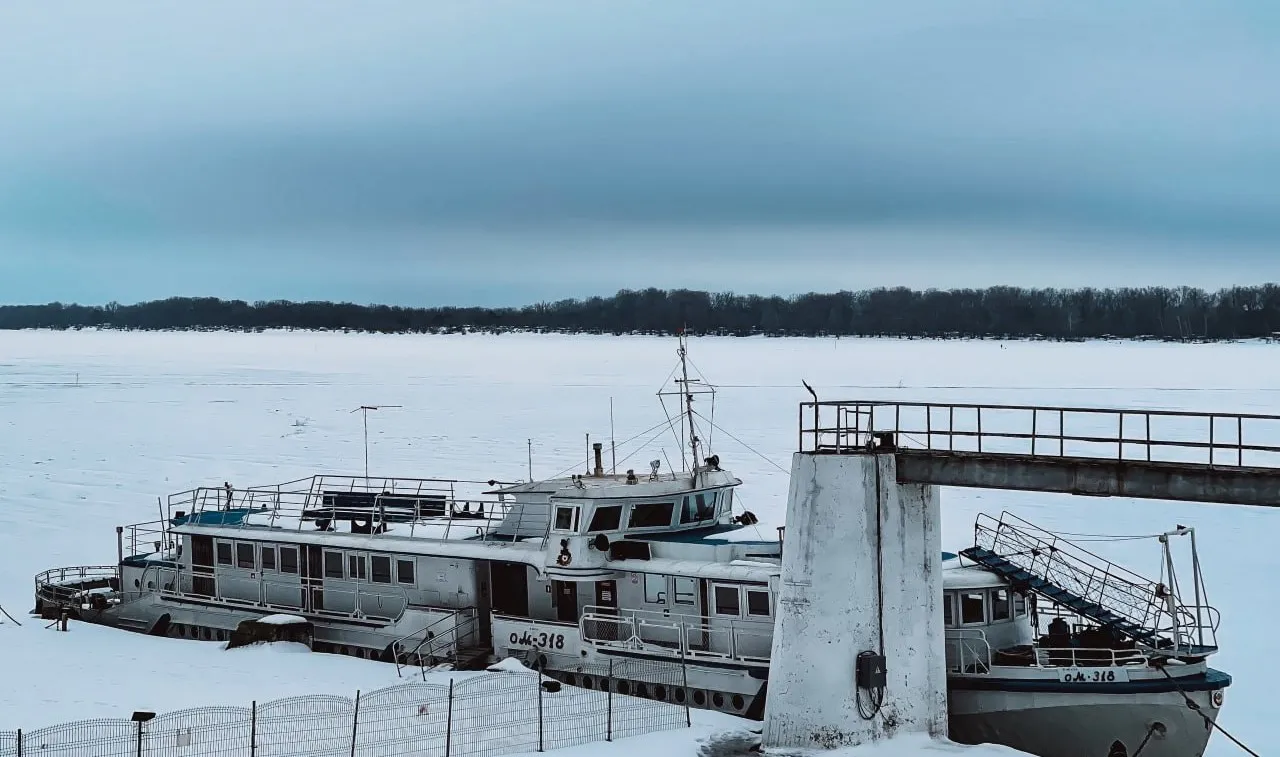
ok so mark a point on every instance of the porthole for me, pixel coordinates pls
(738, 702)
(699, 699)
(660, 693)
(622, 687)
(680, 696)
(717, 700)
(586, 682)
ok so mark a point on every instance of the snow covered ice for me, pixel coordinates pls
(94, 426)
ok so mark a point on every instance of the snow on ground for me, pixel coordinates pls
(95, 426)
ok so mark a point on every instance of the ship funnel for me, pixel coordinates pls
(596, 448)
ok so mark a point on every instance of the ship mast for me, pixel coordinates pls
(688, 404)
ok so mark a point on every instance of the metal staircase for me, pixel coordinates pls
(451, 639)
(1151, 613)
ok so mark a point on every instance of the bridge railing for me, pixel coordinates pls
(1168, 436)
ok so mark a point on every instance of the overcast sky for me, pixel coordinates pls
(497, 152)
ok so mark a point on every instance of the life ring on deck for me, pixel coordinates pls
(1217, 697)
(564, 558)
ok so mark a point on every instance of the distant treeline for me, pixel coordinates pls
(997, 312)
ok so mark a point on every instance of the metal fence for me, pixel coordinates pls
(1165, 436)
(485, 715)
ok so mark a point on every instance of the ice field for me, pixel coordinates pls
(95, 426)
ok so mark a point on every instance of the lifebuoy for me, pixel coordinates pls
(564, 558)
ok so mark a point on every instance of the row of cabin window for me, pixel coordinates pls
(285, 560)
(694, 508)
(727, 600)
(982, 606)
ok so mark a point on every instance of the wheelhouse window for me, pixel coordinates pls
(758, 605)
(973, 607)
(245, 555)
(289, 560)
(355, 567)
(333, 565)
(607, 518)
(1000, 609)
(655, 589)
(380, 569)
(268, 557)
(404, 571)
(1019, 605)
(698, 507)
(566, 519)
(948, 614)
(651, 515)
(727, 601)
(224, 553)
(685, 590)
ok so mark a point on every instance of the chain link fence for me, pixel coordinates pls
(486, 715)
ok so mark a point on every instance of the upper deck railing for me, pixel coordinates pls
(429, 508)
(1217, 440)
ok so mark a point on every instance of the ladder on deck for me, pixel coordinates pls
(447, 640)
(1035, 560)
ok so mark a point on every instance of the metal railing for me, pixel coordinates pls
(1089, 657)
(969, 652)
(432, 509)
(1168, 436)
(1151, 605)
(441, 630)
(64, 586)
(265, 594)
(677, 636)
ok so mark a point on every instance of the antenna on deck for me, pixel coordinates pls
(613, 447)
(531, 460)
(364, 409)
(686, 388)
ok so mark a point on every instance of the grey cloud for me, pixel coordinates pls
(246, 122)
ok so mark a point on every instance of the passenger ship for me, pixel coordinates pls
(572, 573)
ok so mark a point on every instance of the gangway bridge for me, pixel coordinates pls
(1230, 458)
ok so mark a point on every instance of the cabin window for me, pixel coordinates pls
(607, 518)
(333, 565)
(948, 614)
(685, 589)
(224, 553)
(1000, 609)
(1019, 605)
(566, 519)
(726, 502)
(355, 567)
(268, 558)
(758, 603)
(698, 507)
(289, 560)
(972, 607)
(726, 600)
(651, 515)
(404, 571)
(245, 555)
(380, 569)
(655, 589)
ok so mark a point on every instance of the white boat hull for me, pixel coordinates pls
(1083, 724)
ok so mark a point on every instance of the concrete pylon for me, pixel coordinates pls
(861, 573)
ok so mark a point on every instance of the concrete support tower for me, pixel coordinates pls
(858, 649)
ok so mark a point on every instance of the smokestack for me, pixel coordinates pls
(599, 463)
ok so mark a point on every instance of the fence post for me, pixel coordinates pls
(19, 742)
(540, 716)
(608, 728)
(355, 723)
(684, 687)
(448, 722)
(253, 728)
